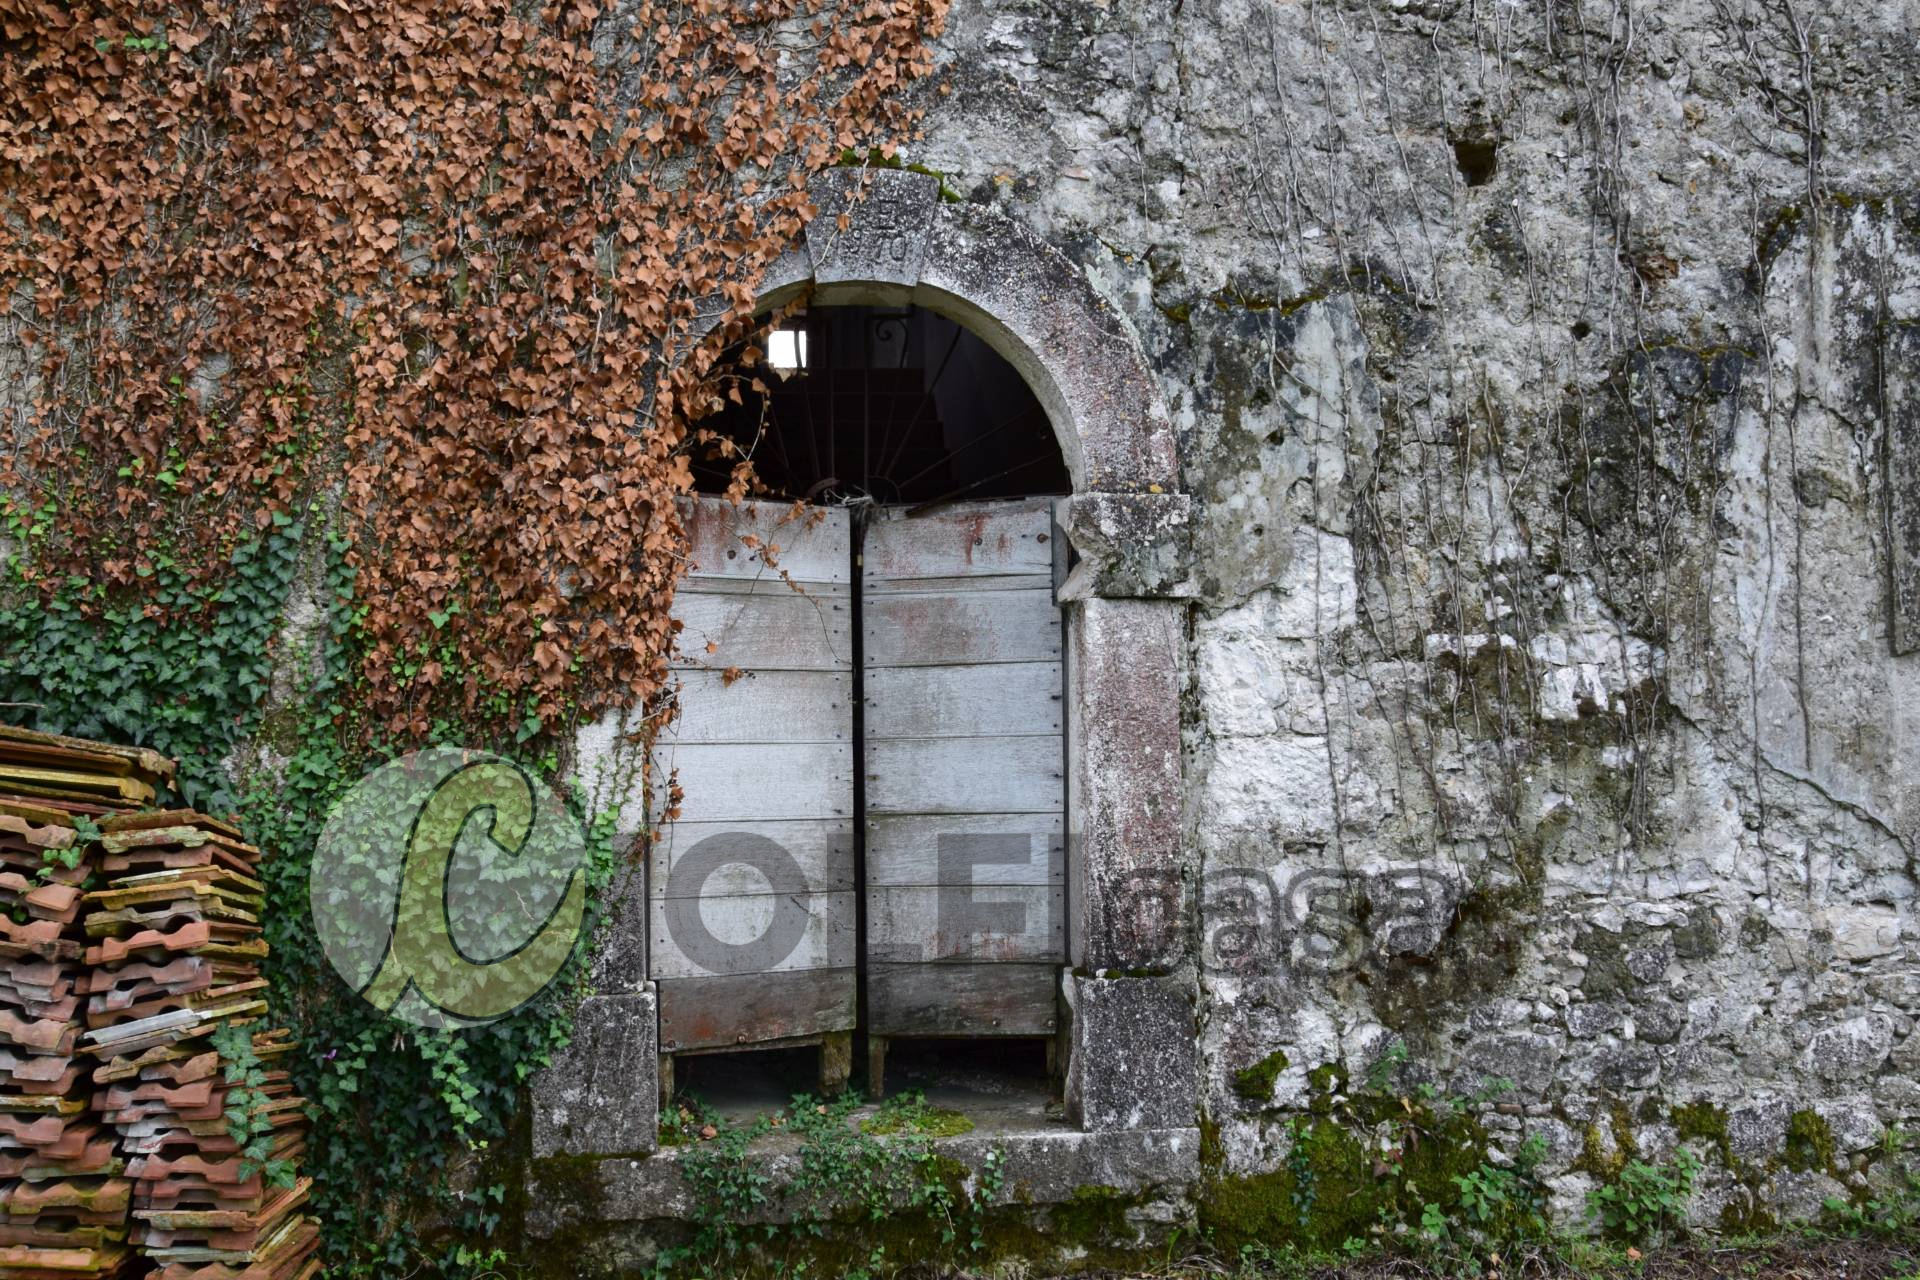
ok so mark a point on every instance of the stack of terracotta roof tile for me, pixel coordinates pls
(64, 1198)
(76, 775)
(174, 954)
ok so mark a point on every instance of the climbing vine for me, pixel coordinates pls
(356, 354)
(459, 261)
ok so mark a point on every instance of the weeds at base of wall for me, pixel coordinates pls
(1571, 1258)
(878, 1182)
(1370, 1170)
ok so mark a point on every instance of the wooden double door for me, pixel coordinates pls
(869, 765)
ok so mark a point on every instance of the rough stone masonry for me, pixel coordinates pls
(1548, 386)
(1546, 379)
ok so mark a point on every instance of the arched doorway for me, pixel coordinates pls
(887, 239)
(872, 739)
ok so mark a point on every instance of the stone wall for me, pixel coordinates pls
(1549, 397)
(1546, 381)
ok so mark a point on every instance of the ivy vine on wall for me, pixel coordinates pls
(354, 354)
(449, 258)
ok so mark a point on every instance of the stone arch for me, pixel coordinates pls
(904, 244)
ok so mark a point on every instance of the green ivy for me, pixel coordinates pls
(246, 1123)
(182, 669)
(402, 1118)
(400, 1110)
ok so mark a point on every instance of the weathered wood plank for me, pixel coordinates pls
(778, 629)
(813, 546)
(996, 848)
(993, 700)
(763, 707)
(974, 540)
(965, 775)
(940, 627)
(758, 782)
(965, 896)
(728, 859)
(957, 586)
(750, 890)
(704, 1013)
(966, 922)
(763, 933)
(962, 999)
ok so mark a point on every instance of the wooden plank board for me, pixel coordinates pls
(997, 699)
(752, 885)
(962, 922)
(812, 546)
(759, 781)
(962, 999)
(974, 540)
(965, 775)
(996, 848)
(705, 1013)
(884, 587)
(762, 707)
(703, 937)
(773, 628)
(936, 628)
(732, 858)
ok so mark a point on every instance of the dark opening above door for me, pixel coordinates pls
(895, 405)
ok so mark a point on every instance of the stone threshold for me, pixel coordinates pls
(1040, 1166)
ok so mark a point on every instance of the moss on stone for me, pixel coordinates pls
(1231, 299)
(1747, 1216)
(1704, 1122)
(932, 1122)
(1255, 1083)
(1337, 1186)
(1327, 1078)
(573, 1179)
(1091, 1231)
(1095, 1215)
(1595, 1158)
(1213, 1152)
(1809, 1143)
(874, 158)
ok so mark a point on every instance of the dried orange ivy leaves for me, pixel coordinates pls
(451, 261)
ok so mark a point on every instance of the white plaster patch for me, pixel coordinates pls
(1280, 785)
